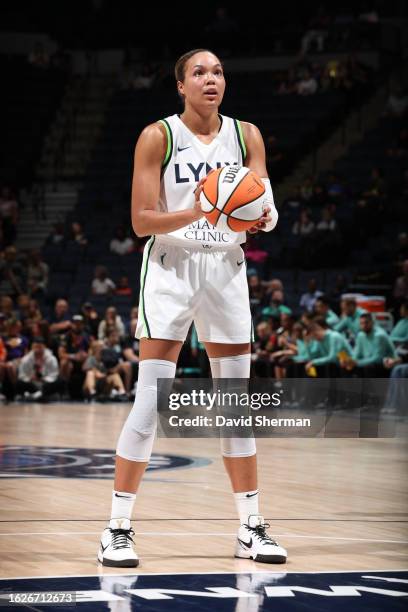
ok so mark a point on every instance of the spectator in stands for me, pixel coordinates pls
(401, 284)
(294, 201)
(276, 305)
(77, 234)
(37, 274)
(306, 189)
(285, 343)
(13, 272)
(399, 334)
(130, 350)
(16, 346)
(124, 368)
(23, 305)
(377, 187)
(121, 244)
(262, 348)
(322, 309)
(317, 31)
(73, 349)
(349, 322)
(8, 215)
(328, 222)
(308, 299)
(91, 319)
(60, 320)
(57, 236)
(111, 321)
(102, 284)
(132, 321)
(304, 226)
(96, 380)
(7, 307)
(275, 284)
(145, 78)
(33, 321)
(38, 375)
(336, 190)
(307, 86)
(334, 348)
(123, 286)
(372, 347)
(256, 293)
(300, 351)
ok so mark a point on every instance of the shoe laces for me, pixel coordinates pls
(121, 538)
(260, 532)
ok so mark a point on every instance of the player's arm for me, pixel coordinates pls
(256, 161)
(149, 156)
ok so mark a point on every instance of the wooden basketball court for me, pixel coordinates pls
(335, 504)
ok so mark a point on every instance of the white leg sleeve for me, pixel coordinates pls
(238, 366)
(136, 439)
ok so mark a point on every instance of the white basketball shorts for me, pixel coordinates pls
(182, 284)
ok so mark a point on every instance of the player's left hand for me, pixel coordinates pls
(261, 224)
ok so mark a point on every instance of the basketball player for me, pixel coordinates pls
(190, 272)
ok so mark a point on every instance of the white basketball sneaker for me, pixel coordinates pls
(116, 548)
(254, 543)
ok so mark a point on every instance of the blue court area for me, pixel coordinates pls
(18, 461)
(369, 591)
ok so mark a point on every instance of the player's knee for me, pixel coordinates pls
(238, 447)
(143, 416)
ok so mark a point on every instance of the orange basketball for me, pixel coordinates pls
(233, 198)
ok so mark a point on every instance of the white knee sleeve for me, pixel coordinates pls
(136, 439)
(238, 366)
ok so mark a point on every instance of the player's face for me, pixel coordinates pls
(204, 82)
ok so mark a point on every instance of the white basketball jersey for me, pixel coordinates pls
(187, 161)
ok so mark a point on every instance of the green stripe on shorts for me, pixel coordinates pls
(143, 274)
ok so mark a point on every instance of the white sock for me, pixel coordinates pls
(122, 504)
(247, 503)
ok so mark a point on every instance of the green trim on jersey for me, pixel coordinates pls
(169, 150)
(241, 140)
(143, 274)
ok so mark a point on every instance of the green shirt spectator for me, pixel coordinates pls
(331, 345)
(322, 309)
(350, 320)
(372, 347)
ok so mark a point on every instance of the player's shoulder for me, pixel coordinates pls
(250, 131)
(153, 133)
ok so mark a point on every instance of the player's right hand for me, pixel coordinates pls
(197, 203)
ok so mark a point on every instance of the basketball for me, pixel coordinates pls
(232, 198)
